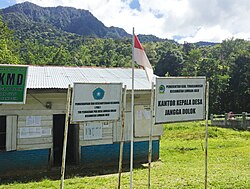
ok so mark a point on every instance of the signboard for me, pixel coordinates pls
(13, 84)
(180, 99)
(96, 102)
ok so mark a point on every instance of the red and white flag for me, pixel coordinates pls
(141, 58)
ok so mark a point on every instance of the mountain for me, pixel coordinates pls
(27, 16)
(30, 20)
(205, 43)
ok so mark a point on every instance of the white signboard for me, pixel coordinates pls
(96, 102)
(92, 131)
(180, 99)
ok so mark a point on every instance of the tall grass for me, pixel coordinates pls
(181, 163)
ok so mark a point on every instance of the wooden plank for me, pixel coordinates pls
(95, 142)
(33, 146)
(43, 124)
(33, 141)
(21, 112)
(43, 117)
(48, 95)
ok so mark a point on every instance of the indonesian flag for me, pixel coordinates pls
(141, 58)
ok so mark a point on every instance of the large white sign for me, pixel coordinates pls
(180, 99)
(96, 101)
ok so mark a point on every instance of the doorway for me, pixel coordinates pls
(2, 133)
(72, 141)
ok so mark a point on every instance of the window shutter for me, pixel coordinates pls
(11, 133)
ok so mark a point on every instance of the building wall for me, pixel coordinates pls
(13, 161)
(108, 154)
(34, 142)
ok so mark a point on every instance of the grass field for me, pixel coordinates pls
(181, 163)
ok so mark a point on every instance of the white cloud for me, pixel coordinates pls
(193, 20)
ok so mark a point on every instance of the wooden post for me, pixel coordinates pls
(206, 135)
(244, 123)
(212, 118)
(225, 120)
(122, 136)
(65, 137)
(150, 134)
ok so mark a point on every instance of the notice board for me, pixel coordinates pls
(96, 102)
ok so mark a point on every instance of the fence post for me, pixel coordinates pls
(212, 118)
(225, 121)
(244, 123)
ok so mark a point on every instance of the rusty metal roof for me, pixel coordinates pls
(50, 77)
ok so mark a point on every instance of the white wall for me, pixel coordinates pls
(37, 135)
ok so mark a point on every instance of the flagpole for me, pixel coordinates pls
(132, 117)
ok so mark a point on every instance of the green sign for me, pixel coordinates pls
(13, 84)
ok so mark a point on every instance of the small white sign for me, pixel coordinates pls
(33, 120)
(180, 99)
(34, 132)
(30, 132)
(93, 131)
(96, 102)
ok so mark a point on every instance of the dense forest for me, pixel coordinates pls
(226, 65)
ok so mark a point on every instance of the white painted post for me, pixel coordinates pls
(206, 135)
(65, 137)
(132, 118)
(122, 136)
(150, 133)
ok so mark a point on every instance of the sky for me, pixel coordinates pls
(180, 20)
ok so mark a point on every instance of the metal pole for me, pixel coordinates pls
(122, 136)
(132, 119)
(150, 133)
(206, 135)
(65, 137)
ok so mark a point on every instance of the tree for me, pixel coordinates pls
(8, 54)
(170, 64)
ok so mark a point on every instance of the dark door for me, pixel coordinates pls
(2, 133)
(72, 141)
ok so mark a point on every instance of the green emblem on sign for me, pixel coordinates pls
(12, 84)
(98, 94)
(161, 89)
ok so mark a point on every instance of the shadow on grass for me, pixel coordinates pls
(54, 173)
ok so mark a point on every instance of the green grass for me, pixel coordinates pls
(181, 163)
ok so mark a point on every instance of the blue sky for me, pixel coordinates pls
(182, 20)
(6, 3)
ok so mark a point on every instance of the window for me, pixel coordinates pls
(2, 133)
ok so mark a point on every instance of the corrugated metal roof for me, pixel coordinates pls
(50, 77)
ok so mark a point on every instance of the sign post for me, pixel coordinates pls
(206, 135)
(65, 138)
(180, 99)
(150, 135)
(122, 137)
(13, 84)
